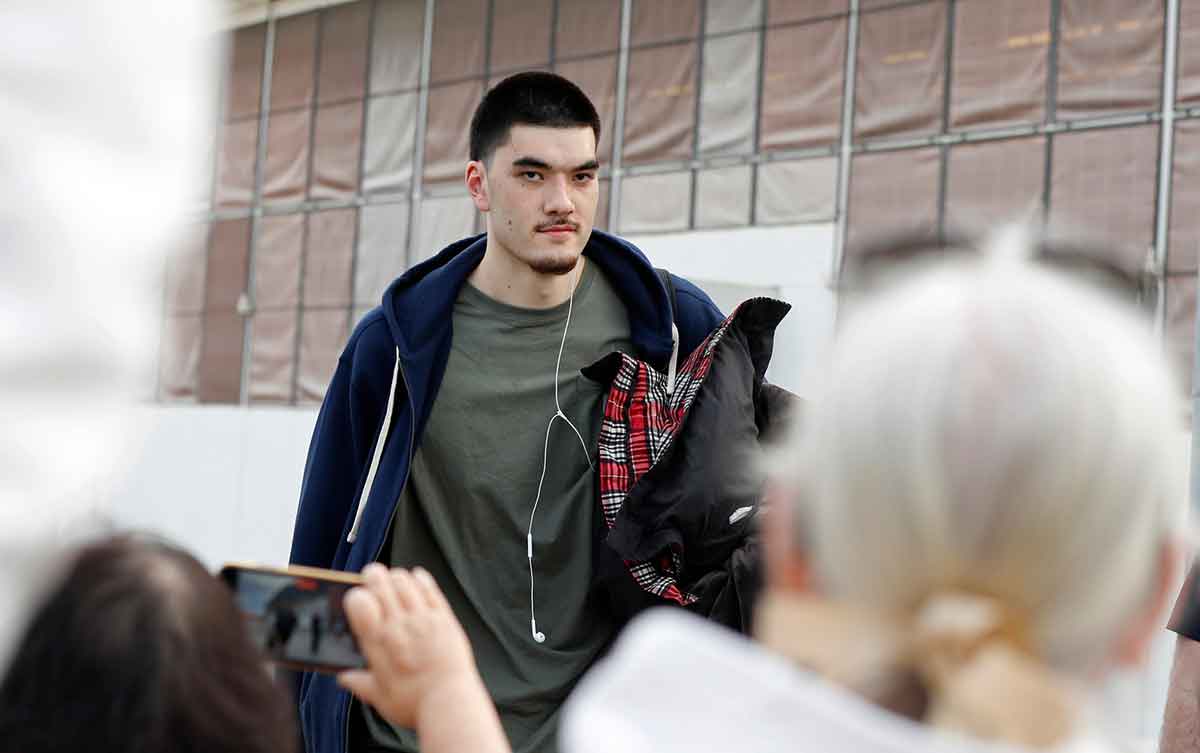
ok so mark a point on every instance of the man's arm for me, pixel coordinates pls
(1181, 719)
(342, 440)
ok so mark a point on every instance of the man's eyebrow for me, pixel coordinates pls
(530, 162)
(538, 164)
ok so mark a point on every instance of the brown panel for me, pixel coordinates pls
(587, 26)
(598, 79)
(243, 93)
(327, 257)
(294, 68)
(397, 32)
(235, 165)
(1180, 329)
(285, 177)
(721, 16)
(1187, 88)
(1103, 184)
(601, 221)
(994, 182)
(225, 273)
(179, 358)
(655, 203)
(441, 222)
(801, 104)
(1109, 57)
(458, 39)
(660, 112)
(220, 371)
(664, 20)
(447, 134)
(277, 261)
(495, 79)
(337, 142)
(786, 11)
(901, 70)
(892, 193)
(391, 133)
(730, 79)
(272, 356)
(382, 250)
(185, 272)
(723, 197)
(793, 192)
(1000, 51)
(322, 336)
(1184, 234)
(521, 34)
(342, 73)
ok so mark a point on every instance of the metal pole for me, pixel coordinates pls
(260, 161)
(846, 148)
(614, 186)
(414, 207)
(697, 113)
(1166, 150)
(759, 77)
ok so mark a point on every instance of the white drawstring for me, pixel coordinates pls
(383, 430)
(674, 358)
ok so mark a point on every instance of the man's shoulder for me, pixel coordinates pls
(371, 341)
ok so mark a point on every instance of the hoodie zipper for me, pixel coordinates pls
(412, 435)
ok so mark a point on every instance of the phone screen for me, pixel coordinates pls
(297, 620)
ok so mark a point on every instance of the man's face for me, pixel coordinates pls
(541, 195)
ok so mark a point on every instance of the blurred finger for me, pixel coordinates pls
(433, 595)
(363, 612)
(371, 632)
(383, 589)
(361, 683)
(407, 591)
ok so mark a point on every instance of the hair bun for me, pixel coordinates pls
(972, 652)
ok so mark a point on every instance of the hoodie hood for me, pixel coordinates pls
(420, 302)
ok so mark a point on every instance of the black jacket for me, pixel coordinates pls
(682, 515)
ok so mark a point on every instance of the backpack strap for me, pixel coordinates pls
(665, 276)
(673, 364)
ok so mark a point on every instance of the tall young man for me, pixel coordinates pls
(458, 434)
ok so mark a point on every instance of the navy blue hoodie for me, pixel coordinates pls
(380, 397)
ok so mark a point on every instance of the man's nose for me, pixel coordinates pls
(557, 197)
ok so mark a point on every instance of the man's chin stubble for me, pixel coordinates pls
(554, 266)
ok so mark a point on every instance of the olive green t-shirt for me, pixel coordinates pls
(465, 510)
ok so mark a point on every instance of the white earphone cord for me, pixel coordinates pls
(558, 413)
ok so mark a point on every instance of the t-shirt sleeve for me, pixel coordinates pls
(1185, 617)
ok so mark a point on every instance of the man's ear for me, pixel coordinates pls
(476, 179)
(1133, 643)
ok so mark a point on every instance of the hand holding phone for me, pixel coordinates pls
(418, 657)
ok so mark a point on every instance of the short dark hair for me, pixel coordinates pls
(531, 98)
(140, 650)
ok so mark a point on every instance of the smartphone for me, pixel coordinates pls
(294, 614)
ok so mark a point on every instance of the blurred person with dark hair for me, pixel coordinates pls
(973, 527)
(140, 650)
(461, 386)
